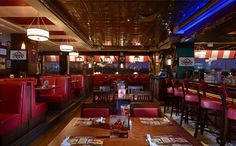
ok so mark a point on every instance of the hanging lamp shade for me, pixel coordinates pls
(75, 54)
(37, 34)
(66, 48)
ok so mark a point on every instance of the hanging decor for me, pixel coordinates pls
(75, 54)
(66, 47)
(39, 32)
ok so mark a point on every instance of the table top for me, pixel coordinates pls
(136, 134)
(41, 88)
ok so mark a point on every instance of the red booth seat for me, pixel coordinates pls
(13, 109)
(36, 108)
(61, 92)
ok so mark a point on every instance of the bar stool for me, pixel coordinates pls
(206, 104)
(190, 100)
(175, 95)
(178, 95)
(229, 109)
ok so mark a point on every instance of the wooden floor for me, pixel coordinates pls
(45, 138)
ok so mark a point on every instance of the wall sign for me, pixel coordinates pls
(3, 51)
(186, 61)
(18, 55)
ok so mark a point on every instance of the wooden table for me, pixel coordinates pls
(42, 89)
(136, 136)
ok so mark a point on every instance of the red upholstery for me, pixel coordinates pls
(146, 112)
(95, 112)
(178, 93)
(191, 97)
(13, 105)
(211, 103)
(79, 84)
(9, 122)
(61, 92)
(37, 108)
(231, 112)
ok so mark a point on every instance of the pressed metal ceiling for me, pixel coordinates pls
(120, 22)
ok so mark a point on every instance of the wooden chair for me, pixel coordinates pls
(145, 110)
(90, 110)
(228, 94)
(143, 97)
(103, 97)
(191, 99)
(206, 104)
(134, 89)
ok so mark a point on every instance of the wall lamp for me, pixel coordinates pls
(209, 12)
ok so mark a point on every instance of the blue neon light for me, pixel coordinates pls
(192, 7)
(215, 8)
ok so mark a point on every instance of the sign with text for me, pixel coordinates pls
(186, 61)
(18, 55)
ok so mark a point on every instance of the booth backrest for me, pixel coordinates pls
(79, 81)
(13, 99)
(61, 83)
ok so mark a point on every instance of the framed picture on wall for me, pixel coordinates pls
(186, 61)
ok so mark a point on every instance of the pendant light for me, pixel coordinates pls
(39, 32)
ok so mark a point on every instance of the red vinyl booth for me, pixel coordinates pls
(77, 84)
(60, 94)
(13, 111)
(37, 110)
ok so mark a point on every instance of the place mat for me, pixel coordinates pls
(155, 121)
(167, 140)
(81, 141)
(88, 121)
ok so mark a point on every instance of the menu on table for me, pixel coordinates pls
(167, 140)
(81, 141)
(88, 121)
(155, 121)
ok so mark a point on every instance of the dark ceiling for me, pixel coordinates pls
(122, 22)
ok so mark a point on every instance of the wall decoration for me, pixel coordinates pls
(18, 55)
(186, 61)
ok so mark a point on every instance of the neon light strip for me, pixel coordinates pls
(215, 8)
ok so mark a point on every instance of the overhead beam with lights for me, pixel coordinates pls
(217, 7)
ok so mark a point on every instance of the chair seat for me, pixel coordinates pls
(231, 112)
(191, 97)
(211, 103)
(40, 108)
(9, 122)
(178, 93)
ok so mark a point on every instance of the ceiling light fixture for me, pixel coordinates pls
(38, 33)
(75, 54)
(66, 47)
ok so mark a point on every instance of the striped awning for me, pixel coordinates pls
(52, 58)
(215, 54)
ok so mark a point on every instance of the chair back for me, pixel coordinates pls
(143, 97)
(145, 110)
(91, 110)
(103, 97)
